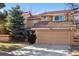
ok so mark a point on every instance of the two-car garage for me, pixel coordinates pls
(56, 36)
(57, 33)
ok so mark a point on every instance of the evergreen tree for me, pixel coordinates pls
(15, 24)
(3, 16)
(2, 5)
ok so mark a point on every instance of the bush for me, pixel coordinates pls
(31, 37)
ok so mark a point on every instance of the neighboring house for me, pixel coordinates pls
(53, 27)
(32, 20)
(26, 15)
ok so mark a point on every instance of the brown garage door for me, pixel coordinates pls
(53, 36)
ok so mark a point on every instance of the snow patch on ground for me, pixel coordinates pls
(42, 50)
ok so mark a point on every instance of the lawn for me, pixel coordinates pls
(10, 46)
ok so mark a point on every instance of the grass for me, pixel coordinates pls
(10, 46)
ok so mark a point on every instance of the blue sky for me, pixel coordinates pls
(37, 7)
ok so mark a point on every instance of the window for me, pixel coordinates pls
(44, 18)
(59, 18)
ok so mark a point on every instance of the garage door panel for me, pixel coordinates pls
(53, 37)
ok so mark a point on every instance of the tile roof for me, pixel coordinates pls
(26, 13)
(58, 11)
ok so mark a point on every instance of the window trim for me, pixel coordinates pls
(58, 20)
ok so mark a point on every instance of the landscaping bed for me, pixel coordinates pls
(75, 50)
(10, 46)
(75, 53)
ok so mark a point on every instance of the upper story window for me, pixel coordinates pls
(44, 18)
(59, 18)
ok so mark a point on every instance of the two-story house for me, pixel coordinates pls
(53, 27)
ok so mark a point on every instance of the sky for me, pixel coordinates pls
(37, 8)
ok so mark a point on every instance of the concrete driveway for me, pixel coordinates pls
(42, 50)
(5, 54)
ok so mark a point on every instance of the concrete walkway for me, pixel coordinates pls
(42, 50)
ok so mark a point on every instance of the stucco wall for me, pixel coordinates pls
(75, 34)
(4, 38)
(31, 23)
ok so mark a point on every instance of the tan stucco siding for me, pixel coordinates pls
(50, 18)
(53, 36)
(75, 34)
(4, 38)
(31, 23)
